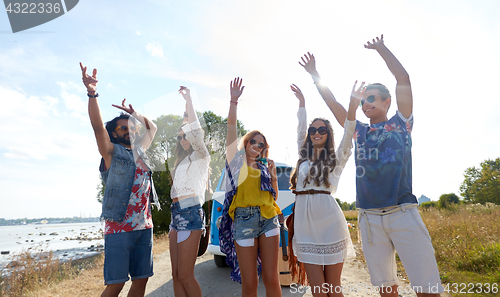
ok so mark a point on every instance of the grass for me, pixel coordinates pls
(31, 270)
(42, 275)
(466, 239)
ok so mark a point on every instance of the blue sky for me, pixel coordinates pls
(145, 50)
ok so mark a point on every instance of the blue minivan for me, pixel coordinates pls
(285, 201)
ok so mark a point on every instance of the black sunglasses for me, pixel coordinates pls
(369, 99)
(253, 141)
(321, 130)
(179, 138)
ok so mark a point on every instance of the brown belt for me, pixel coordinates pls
(310, 192)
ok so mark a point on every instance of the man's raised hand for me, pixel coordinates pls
(90, 82)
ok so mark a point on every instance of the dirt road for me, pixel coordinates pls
(215, 281)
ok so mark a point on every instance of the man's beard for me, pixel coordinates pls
(123, 140)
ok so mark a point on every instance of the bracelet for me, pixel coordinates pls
(93, 96)
(185, 114)
(234, 102)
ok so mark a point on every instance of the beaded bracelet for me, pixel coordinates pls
(93, 96)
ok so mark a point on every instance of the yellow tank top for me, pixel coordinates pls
(249, 194)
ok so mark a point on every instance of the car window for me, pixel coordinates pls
(283, 174)
(223, 183)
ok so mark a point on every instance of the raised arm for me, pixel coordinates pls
(236, 89)
(192, 129)
(404, 95)
(191, 114)
(147, 138)
(356, 96)
(302, 117)
(104, 144)
(309, 64)
(345, 146)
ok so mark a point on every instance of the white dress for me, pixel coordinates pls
(321, 235)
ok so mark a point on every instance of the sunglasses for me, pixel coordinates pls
(369, 99)
(132, 129)
(179, 138)
(321, 130)
(253, 141)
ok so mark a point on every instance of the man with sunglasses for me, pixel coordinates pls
(129, 191)
(389, 220)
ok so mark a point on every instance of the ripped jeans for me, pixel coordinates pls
(248, 223)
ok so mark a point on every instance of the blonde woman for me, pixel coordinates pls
(249, 225)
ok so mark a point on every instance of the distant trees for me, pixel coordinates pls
(482, 184)
(161, 153)
(446, 200)
(345, 205)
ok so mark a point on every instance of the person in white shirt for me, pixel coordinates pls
(190, 178)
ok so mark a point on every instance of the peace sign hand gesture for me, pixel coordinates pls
(123, 107)
(90, 82)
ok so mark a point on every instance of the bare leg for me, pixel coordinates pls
(112, 290)
(332, 277)
(247, 260)
(269, 250)
(138, 287)
(183, 258)
(316, 277)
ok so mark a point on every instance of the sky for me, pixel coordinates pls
(145, 50)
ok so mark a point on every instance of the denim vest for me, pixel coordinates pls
(119, 179)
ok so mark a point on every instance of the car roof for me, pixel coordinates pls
(281, 164)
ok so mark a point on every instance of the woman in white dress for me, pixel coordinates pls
(321, 239)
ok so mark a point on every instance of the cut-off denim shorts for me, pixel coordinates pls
(128, 253)
(248, 223)
(188, 218)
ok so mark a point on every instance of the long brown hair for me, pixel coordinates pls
(324, 163)
(180, 154)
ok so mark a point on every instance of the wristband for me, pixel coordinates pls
(93, 96)
(234, 102)
(185, 114)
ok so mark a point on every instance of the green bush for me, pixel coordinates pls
(427, 205)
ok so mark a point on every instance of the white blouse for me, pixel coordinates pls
(341, 154)
(191, 175)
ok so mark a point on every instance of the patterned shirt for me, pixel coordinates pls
(383, 163)
(138, 216)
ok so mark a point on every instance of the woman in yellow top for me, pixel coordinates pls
(250, 216)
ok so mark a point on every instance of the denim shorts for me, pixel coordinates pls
(186, 219)
(128, 253)
(248, 223)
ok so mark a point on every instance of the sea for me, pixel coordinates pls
(69, 241)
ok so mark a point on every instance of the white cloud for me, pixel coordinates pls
(155, 49)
